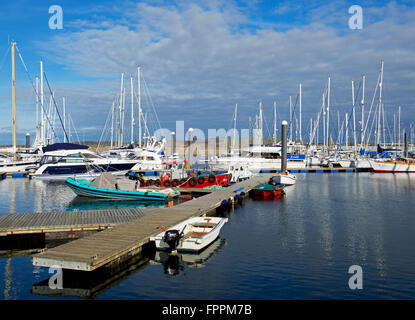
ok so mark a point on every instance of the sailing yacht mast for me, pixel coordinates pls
(380, 104)
(64, 119)
(14, 100)
(399, 126)
(120, 109)
(363, 111)
(139, 104)
(324, 122)
(354, 119)
(132, 110)
(291, 120)
(260, 122)
(234, 127)
(301, 137)
(42, 113)
(275, 123)
(112, 123)
(328, 112)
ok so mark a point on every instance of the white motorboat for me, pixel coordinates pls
(259, 158)
(9, 165)
(286, 179)
(191, 235)
(62, 161)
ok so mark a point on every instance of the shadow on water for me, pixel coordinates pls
(89, 285)
(83, 203)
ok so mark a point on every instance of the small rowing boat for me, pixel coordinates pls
(191, 235)
(107, 187)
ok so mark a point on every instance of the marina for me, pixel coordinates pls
(207, 151)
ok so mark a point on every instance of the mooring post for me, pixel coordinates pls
(173, 143)
(27, 142)
(284, 147)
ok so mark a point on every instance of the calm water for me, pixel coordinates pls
(299, 247)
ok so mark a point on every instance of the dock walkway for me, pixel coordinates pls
(69, 221)
(126, 240)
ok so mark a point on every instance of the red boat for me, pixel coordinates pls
(268, 191)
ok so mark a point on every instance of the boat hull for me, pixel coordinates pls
(392, 166)
(287, 179)
(192, 182)
(82, 188)
(193, 244)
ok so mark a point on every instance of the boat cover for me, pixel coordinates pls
(105, 181)
(64, 146)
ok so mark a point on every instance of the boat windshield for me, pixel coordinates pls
(70, 158)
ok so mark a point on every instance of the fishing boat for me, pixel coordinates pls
(191, 235)
(107, 187)
(65, 160)
(404, 165)
(174, 174)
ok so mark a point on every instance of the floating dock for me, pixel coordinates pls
(118, 244)
(69, 221)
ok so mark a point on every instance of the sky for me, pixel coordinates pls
(200, 58)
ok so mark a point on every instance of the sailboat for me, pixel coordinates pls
(259, 157)
(16, 163)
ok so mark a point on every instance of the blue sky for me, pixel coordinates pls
(199, 58)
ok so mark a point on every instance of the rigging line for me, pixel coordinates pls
(151, 100)
(350, 116)
(370, 110)
(3, 60)
(105, 128)
(34, 89)
(73, 126)
(57, 110)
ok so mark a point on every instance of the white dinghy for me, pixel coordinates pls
(191, 235)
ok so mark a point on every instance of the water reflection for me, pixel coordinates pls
(90, 284)
(173, 264)
(83, 203)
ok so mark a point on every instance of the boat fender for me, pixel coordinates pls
(224, 202)
(237, 196)
(242, 194)
(167, 183)
(212, 178)
(192, 182)
(183, 181)
(201, 180)
(175, 183)
(157, 183)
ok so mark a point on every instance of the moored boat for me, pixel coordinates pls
(403, 165)
(269, 191)
(107, 187)
(191, 235)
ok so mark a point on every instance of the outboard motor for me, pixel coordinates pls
(172, 238)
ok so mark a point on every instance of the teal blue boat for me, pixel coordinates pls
(107, 187)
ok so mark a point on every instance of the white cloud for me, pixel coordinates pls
(200, 59)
